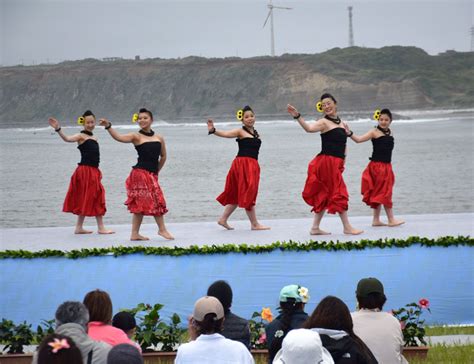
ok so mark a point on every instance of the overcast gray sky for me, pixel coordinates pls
(36, 31)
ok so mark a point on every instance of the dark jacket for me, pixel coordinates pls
(236, 328)
(343, 348)
(297, 320)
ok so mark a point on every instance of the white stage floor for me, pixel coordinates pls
(208, 233)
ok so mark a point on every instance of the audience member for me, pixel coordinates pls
(58, 349)
(303, 346)
(292, 316)
(99, 305)
(124, 354)
(379, 330)
(235, 327)
(208, 345)
(332, 321)
(71, 321)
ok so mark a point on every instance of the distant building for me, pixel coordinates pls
(137, 58)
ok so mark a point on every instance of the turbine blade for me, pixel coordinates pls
(269, 13)
(282, 7)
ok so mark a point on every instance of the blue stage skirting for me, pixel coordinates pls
(31, 290)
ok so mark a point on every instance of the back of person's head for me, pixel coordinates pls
(72, 312)
(99, 305)
(124, 354)
(303, 346)
(332, 313)
(208, 315)
(370, 294)
(292, 299)
(124, 321)
(58, 349)
(223, 292)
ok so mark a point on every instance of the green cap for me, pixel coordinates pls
(293, 291)
(369, 285)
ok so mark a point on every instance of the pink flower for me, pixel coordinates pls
(58, 345)
(424, 303)
(262, 339)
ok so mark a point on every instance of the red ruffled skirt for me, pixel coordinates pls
(144, 194)
(86, 195)
(241, 185)
(325, 188)
(377, 184)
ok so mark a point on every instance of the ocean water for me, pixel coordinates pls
(433, 164)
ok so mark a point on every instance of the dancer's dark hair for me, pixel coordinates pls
(146, 111)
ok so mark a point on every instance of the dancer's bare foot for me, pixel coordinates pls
(82, 231)
(318, 231)
(378, 223)
(138, 237)
(225, 225)
(260, 227)
(393, 223)
(353, 231)
(105, 231)
(166, 234)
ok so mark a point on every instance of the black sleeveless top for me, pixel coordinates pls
(383, 147)
(334, 142)
(249, 147)
(148, 156)
(90, 154)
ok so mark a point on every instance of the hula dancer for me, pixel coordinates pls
(378, 178)
(144, 194)
(86, 195)
(325, 189)
(241, 186)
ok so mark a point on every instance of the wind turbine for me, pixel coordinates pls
(270, 15)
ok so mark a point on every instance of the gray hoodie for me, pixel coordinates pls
(86, 345)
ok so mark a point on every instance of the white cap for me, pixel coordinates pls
(206, 305)
(302, 346)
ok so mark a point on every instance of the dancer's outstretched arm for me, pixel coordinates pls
(123, 138)
(309, 128)
(57, 128)
(234, 133)
(359, 138)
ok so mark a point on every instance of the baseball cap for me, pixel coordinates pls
(295, 292)
(369, 285)
(206, 305)
(302, 346)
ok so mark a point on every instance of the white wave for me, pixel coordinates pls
(424, 116)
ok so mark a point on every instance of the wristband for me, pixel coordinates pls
(57, 130)
(212, 131)
(297, 116)
(108, 126)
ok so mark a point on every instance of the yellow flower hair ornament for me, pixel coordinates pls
(135, 118)
(240, 115)
(80, 120)
(376, 115)
(319, 106)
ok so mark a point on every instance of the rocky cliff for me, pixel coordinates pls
(193, 87)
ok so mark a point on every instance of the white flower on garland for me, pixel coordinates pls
(304, 294)
(279, 333)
